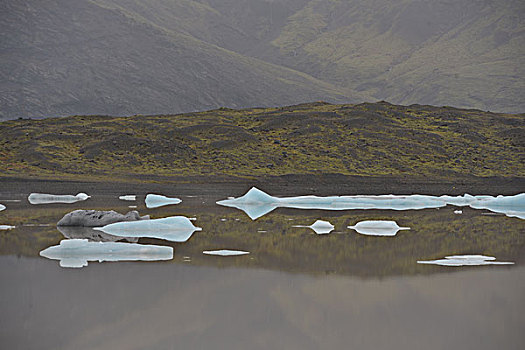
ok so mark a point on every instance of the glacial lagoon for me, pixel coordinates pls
(307, 276)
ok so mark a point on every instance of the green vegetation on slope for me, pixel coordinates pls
(317, 138)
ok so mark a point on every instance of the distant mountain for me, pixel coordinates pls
(63, 57)
(118, 57)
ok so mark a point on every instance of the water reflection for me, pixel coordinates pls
(43, 198)
(77, 252)
(256, 203)
(466, 260)
(378, 228)
(79, 232)
(157, 200)
(174, 228)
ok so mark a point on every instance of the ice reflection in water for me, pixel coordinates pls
(157, 200)
(43, 198)
(256, 203)
(377, 228)
(320, 227)
(77, 252)
(174, 228)
(466, 260)
(79, 232)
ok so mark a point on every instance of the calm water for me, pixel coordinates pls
(295, 290)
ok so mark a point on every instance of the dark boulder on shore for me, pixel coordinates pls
(95, 218)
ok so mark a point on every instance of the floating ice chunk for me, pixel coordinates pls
(255, 203)
(77, 252)
(2, 207)
(378, 228)
(43, 198)
(6, 227)
(320, 227)
(156, 200)
(225, 252)
(80, 232)
(173, 228)
(128, 197)
(458, 211)
(466, 260)
(512, 206)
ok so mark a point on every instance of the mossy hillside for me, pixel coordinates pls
(371, 139)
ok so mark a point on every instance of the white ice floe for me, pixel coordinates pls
(2, 207)
(173, 228)
(43, 198)
(157, 200)
(458, 211)
(77, 252)
(225, 252)
(320, 227)
(466, 260)
(128, 197)
(256, 203)
(377, 228)
(6, 227)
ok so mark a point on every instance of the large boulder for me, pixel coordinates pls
(96, 218)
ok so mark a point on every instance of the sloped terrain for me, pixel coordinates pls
(79, 57)
(377, 139)
(123, 57)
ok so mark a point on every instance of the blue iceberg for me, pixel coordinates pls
(320, 227)
(77, 252)
(157, 200)
(173, 228)
(377, 228)
(225, 252)
(256, 203)
(43, 198)
(466, 260)
(128, 197)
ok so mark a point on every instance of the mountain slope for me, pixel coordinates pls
(63, 57)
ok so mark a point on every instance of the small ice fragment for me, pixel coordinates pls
(466, 260)
(77, 252)
(458, 211)
(157, 200)
(262, 231)
(11, 200)
(43, 198)
(225, 252)
(320, 227)
(132, 206)
(192, 219)
(128, 197)
(2, 207)
(6, 227)
(223, 219)
(378, 228)
(173, 228)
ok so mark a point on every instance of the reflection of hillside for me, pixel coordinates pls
(434, 233)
